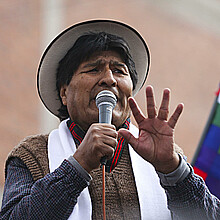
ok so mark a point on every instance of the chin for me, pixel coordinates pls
(119, 120)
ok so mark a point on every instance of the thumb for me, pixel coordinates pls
(129, 138)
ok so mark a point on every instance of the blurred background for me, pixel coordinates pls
(184, 41)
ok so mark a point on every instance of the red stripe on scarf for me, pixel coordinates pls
(76, 136)
(72, 126)
(117, 153)
(74, 133)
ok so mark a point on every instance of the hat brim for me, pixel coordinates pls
(57, 49)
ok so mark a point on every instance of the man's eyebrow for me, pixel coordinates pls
(116, 63)
(96, 63)
(120, 64)
(92, 64)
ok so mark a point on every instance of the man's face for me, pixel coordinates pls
(103, 71)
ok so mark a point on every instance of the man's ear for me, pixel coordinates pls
(63, 91)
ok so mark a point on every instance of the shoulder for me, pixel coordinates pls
(33, 153)
(31, 144)
(34, 140)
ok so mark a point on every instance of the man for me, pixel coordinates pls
(58, 177)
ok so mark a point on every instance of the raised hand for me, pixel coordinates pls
(156, 132)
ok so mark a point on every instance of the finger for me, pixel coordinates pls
(106, 151)
(105, 126)
(105, 146)
(151, 109)
(136, 111)
(164, 108)
(110, 133)
(129, 138)
(174, 118)
(105, 129)
(109, 141)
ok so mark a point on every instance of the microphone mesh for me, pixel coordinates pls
(106, 96)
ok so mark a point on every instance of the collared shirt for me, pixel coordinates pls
(54, 196)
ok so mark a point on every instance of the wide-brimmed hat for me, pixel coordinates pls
(57, 49)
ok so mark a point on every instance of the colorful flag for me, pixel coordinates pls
(206, 162)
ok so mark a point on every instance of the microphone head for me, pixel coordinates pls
(106, 97)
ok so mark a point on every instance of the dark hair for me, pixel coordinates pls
(82, 50)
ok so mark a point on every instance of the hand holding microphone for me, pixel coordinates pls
(105, 101)
(100, 139)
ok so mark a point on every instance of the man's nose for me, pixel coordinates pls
(108, 78)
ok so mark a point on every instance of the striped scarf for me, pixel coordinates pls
(78, 135)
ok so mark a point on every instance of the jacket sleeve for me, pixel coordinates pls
(191, 199)
(51, 197)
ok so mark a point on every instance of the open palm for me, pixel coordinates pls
(155, 142)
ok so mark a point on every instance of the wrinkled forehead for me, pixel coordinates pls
(103, 58)
(100, 54)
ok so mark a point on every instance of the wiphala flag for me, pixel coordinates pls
(206, 162)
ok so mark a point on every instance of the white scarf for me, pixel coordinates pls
(152, 198)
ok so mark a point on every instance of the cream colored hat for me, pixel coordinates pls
(57, 49)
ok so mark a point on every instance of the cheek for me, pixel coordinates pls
(125, 92)
(126, 87)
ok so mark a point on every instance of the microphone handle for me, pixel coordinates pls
(105, 116)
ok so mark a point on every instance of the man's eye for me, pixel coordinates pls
(92, 70)
(119, 71)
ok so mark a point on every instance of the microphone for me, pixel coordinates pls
(105, 101)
